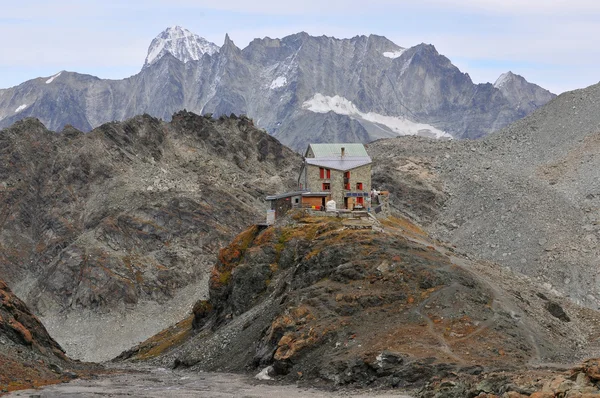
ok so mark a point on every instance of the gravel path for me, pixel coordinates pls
(162, 383)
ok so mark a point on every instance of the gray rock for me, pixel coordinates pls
(266, 374)
(274, 81)
(553, 144)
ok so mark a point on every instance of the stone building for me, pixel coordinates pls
(341, 172)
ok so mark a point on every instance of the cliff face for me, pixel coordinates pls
(352, 303)
(106, 228)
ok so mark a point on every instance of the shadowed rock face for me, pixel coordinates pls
(130, 213)
(29, 357)
(317, 298)
(273, 81)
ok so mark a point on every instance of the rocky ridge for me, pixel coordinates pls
(525, 197)
(299, 88)
(355, 304)
(110, 235)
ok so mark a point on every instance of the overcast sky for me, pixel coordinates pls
(552, 43)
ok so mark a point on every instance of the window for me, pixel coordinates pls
(321, 173)
(326, 186)
(359, 186)
(328, 173)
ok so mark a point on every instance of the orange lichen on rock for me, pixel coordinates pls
(21, 330)
(167, 339)
(292, 343)
(230, 256)
(407, 226)
(15, 375)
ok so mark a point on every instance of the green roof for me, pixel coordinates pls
(327, 150)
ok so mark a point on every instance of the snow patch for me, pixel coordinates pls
(265, 374)
(53, 77)
(320, 103)
(503, 79)
(279, 82)
(181, 43)
(19, 109)
(394, 54)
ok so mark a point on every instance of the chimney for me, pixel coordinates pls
(343, 151)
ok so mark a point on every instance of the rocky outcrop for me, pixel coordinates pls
(105, 228)
(29, 357)
(319, 299)
(300, 88)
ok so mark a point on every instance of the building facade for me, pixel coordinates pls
(339, 172)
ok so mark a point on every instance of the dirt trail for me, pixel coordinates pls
(431, 328)
(499, 300)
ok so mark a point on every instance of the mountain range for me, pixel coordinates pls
(300, 89)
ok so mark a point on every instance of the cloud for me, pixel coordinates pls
(519, 7)
(317, 7)
(545, 38)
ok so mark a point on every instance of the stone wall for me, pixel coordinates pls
(302, 184)
(359, 174)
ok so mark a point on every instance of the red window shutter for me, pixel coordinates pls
(328, 173)
(321, 172)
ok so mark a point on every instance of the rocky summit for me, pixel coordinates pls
(110, 236)
(300, 88)
(363, 303)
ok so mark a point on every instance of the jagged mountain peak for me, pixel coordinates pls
(227, 41)
(523, 96)
(181, 43)
(274, 81)
(229, 46)
(506, 77)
